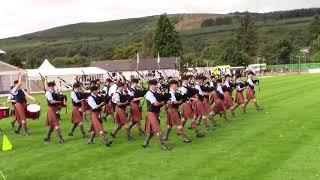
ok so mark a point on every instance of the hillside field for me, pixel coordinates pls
(279, 142)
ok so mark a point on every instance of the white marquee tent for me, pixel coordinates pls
(50, 73)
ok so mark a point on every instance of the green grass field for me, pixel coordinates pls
(280, 142)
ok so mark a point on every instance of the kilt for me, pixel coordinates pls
(173, 117)
(213, 97)
(239, 98)
(219, 105)
(187, 111)
(96, 122)
(21, 111)
(250, 94)
(135, 113)
(152, 123)
(109, 108)
(207, 105)
(52, 118)
(228, 100)
(120, 116)
(76, 116)
(199, 108)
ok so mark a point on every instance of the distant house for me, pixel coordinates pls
(167, 66)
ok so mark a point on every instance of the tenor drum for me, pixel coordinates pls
(4, 112)
(33, 111)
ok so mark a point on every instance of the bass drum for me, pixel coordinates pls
(4, 112)
(113, 90)
(33, 111)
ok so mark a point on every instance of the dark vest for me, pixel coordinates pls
(123, 99)
(241, 84)
(178, 98)
(54, 97)
(20, 97)
(219, 95)
(79, 98)
(98, 101)
(152, 108)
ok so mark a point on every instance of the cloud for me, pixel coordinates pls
(21, 17)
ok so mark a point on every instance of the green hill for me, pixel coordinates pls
(97, 40)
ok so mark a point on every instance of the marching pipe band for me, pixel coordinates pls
(196, 97)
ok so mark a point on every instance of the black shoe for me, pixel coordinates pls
(1, 131)
(144, 145)
(17, 131)
(47, 139)
(199, 134)
(130, 138)
(113, 135)
(165, 148)
(190, 127)
(108, 143)
(104, 119)
(141, 132)
(208, 128)
(12, 124)
(70, 134)
(186, 139)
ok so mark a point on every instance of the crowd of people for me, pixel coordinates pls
(190, 101)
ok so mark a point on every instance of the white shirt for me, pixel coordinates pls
(74, 96)
(211, 84)
(10, 96)
(49, 95)
(14, 91)
(219, 89)
(173, 96)
(250, 82)
(226, 83)
(183, 89)
(199, 89)
(130, 92)
(105, 89)
(92, 103)
(117, 97)
(150, 97)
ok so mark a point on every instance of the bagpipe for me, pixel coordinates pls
(162, 97)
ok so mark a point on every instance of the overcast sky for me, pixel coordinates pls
(19, 17)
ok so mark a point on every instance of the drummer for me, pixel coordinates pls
(20, 96)
(13, 103)
(52, 113)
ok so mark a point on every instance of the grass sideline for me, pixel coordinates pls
(280, 142)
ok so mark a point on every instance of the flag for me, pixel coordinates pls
(138, 59)
(6, 144)
(158, 58)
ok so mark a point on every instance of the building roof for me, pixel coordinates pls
(131, 64)
(7, 67)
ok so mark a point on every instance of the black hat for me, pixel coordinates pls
(94, 88)
(108, 80)
(76, 85)
(51, 84)
(251, 72)
(135, 80)
(15, 82)
(173, 82)
(238, 76)
(120, 84)
(219, 80)
(153, 82)
(183, 78)
(227, 75)
(200, 77)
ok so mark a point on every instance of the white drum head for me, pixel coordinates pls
(113, 90)
(4, 108)
(33, 108)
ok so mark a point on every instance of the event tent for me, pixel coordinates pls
(59, 75)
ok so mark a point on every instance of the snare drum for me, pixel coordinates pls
(4, 112)
(33, 111)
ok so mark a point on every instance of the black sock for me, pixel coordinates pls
(73, 128)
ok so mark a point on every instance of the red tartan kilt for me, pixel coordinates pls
(152, 123)
(21, 111)
(250, 94)
(187, 111)
(96, 122)
(120, 116)
(219, 105)
(173, 117)
(207, 105)
(239, 98)
(76, 116)
(200, 109)
(213, 97)
(135, 113)
(228, 100)
(52, 118)
(108, 108)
